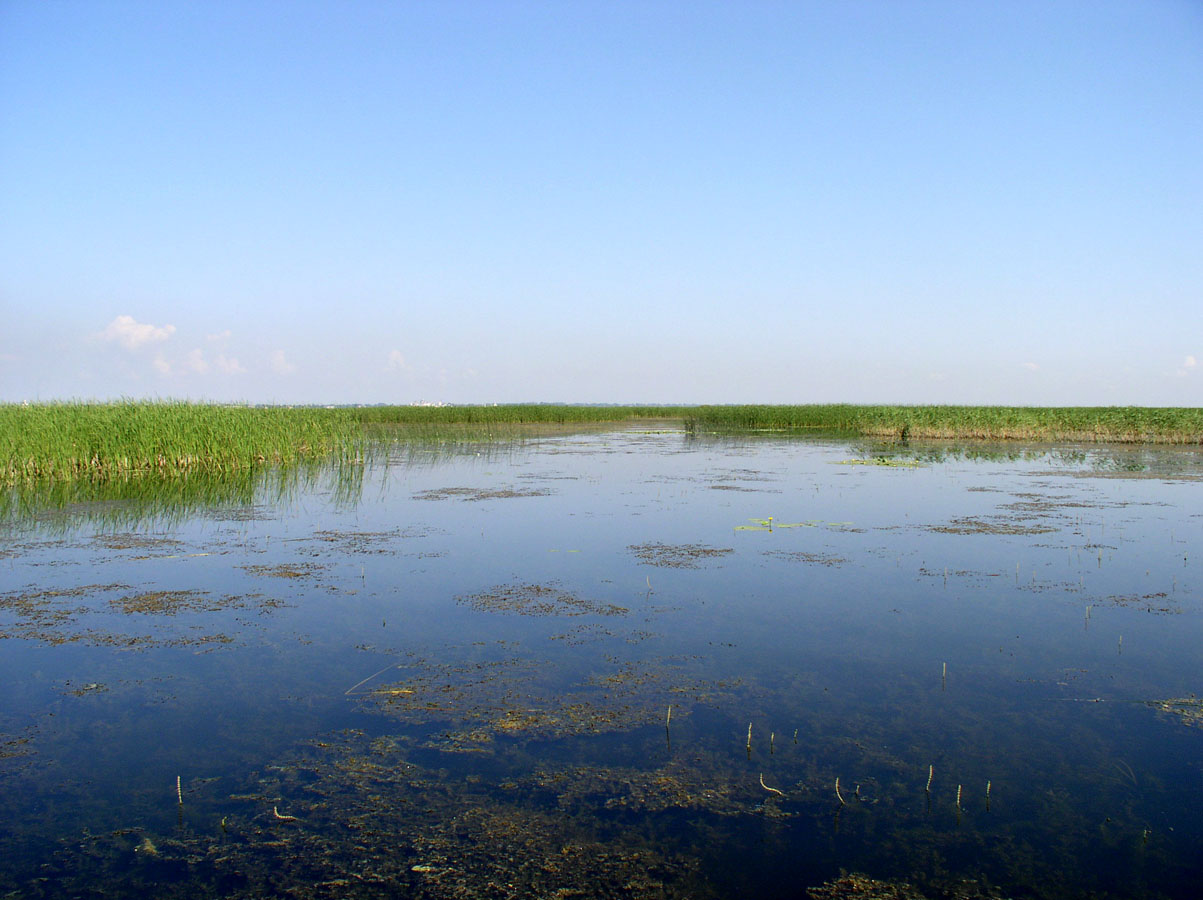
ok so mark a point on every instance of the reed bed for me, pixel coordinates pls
(73, 440)
(451, 425)
(1120, 424)
(69, 441)
(513, 414)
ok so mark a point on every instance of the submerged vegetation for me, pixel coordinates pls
(99, 441)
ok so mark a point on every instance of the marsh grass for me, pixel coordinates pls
(96, 441)
(69, 441)
(512, 414)
(1126, 424)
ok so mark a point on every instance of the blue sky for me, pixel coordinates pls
(916, 202)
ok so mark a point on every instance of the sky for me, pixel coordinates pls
(909, 201)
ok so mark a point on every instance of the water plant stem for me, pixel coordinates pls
(767, 788)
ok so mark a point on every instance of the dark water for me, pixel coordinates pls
(452, 676)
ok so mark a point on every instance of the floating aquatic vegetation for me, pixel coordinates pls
(817, 559)
(992, 525)
(131, 541)
(284, 570)
(517, 695)
(885, 462)
(170, 603)
(13, 746)
(46, 609)
(770, 524)
(368, 542)
(588, 633)
(1158, 602)
(676, 556)
(1187, 710)
(49, 618)
(472, 494)
(860, 887)
(538, 600)
(92, 687)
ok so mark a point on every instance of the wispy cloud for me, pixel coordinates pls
(196, 361)
(396, 362)
(132, 334)
(162, 366)
(228, 365)
(1031, 366)
(1188, 364)
(280, 365)
(220, 336)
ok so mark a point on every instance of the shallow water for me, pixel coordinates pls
(453, 676)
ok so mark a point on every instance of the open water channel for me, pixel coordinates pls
(618, 664)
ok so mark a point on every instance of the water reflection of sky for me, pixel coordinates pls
(997, 619)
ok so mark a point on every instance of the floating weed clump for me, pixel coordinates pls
(1187, 710)
(676, 556)
(770, 525)
(884, 462)
(477, 494)
(538, 600)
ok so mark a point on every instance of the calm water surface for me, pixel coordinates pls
(591, 666)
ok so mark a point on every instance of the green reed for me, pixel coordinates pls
(73, 440)
(512, 414)
(1128, 424)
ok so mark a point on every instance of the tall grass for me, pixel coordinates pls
(1128, 424)
(512, 414)
(477, 424)
(101, 440)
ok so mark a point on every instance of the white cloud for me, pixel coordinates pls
(132, 334)
(196, 361)
(396, 362)
(1031, 366)
(280, 364)
(162, 366)
(1187, 364)
(219, 336)
(228, 365)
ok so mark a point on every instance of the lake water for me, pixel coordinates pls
(619, 664)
